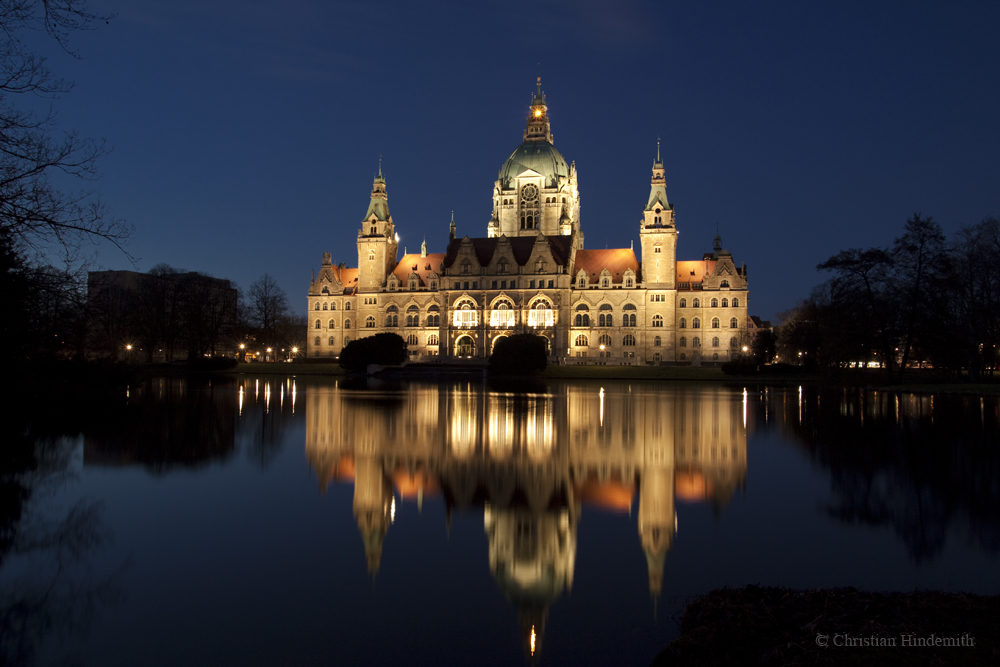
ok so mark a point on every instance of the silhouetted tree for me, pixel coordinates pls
(33, 210)
(920, 264)
(384, 349)
(268, 309)
(519, 354)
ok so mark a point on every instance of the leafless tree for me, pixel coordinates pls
(268, 307)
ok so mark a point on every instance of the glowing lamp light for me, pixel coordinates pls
(242, 346)
(745, 348)
(295, 350)
(128, 347)
(538, 113)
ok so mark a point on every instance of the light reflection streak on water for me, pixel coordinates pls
(602, 406)
(744, 408)
(800, 404)
(267, 396)
(281, 398)
(256, 390)
(293, 397)
(241, 401)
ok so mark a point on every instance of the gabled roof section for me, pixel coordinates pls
(695, 271)
(615, 260)
(521, 247)
(657, 197)
(380, 208)
(348, 278)
(422, 267)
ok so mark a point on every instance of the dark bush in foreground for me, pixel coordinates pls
(213, 363)
(519, 354)
(384, 349)
(741, 366)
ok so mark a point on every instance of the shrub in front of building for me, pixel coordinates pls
(384, 349)
(519, 355)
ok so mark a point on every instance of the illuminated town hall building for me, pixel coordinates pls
(532, 273)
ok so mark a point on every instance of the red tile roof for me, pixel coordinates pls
(348, 278)
(422, 266)
(694, 271)
(615, 260)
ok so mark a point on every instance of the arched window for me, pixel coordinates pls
(605, 319)
(715, 322)
(725, 303)
(695, 342)
(318, 325)
(347, 306)
(628, 282)
(734, 323)
(347, 325)
(347, 339)
(696, 323)
(413, 316)
(392, 309)
(605, 282)
(370, 322)
(581, 341)
(317, 306)
(502, 314)
(581, 282)
(411, 339)
(736, 302)
(466, 315)
(392, 320)
(326, 290)
(316, 342)
(684, 303)
(332, 324)
(715, 302)
(715, 341)
(432, 339)
(656, 342)
(658, 321)
(682, 342)
(332, 341)
(628, 320)
(582, 315)
(605, 340)
(628, 341)
(724, 283)
(541, 314)
(434, 318)
(333, 306)
(683, 323)
(732, 342)
(696, 303)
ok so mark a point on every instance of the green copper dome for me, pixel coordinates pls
(540, 156)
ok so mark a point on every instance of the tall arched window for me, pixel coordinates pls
(715, 341)
(715, 322)
(696, 323)
(347, 325)
(317, 306)
(725, 303)
(412, 340)
(318, 325)
(695, 342)
(432, 339)
(605, 340)
(347, 306)
(412, 316)
(658, 321)
(696, 303)
(734, 323)
(683, 323)
(684, 303)
(682, 342)
(581, 341)
(628, 341)
(732, 342)
(316, 341)
(502, 315)
(628, 319)
(605, 319)
(656, 341)
(333, 306)
(332, 324)
(541, 315)
(736, 302)
(433, 317)
(715, 302)
(332, 341)
(370, 322)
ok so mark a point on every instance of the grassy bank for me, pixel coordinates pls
(843, 626)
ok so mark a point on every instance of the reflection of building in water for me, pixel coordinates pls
(531, 461)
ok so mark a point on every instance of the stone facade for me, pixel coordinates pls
(532, 273)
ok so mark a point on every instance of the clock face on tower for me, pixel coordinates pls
(529, 193)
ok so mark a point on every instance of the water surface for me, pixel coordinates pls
(305, 521)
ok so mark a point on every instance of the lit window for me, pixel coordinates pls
(581, 341)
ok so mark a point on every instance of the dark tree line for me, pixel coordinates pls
(922, 301)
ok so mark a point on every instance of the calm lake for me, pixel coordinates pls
(315, 521)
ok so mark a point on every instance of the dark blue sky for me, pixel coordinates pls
(246, 134)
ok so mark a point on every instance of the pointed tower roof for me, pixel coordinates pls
(658, 185)
(379, 205)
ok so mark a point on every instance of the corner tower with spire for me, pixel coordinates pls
(377, 242)
(657, 232)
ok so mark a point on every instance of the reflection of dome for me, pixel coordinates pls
(540, 156)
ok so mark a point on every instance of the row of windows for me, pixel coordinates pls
(332, 324)
(734, 323)
(605, 282)
(714, 303)
(696, 342)
(412, 339)
(411, 321)
(605, 340)
(332, 306)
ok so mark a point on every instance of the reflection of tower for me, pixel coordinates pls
(656, 512)
(372, 507)
(532, 557)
